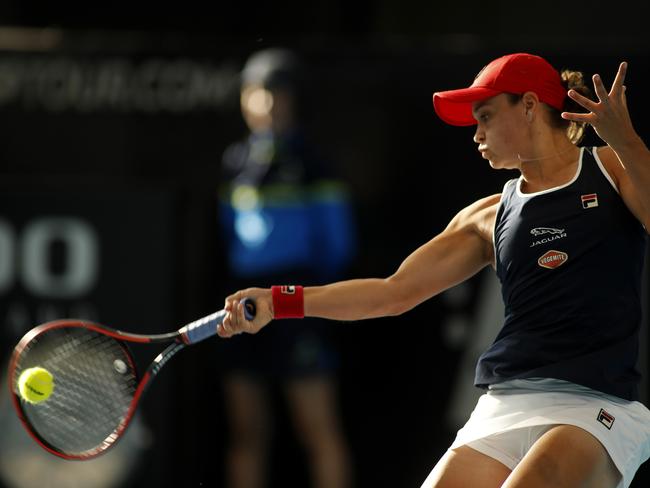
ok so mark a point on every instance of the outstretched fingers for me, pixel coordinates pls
(608, 115)
(583, 101)
(618, 87)
(615, 95)
(599, 87)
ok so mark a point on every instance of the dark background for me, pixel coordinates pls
(116, 115)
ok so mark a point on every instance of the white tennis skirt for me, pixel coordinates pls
(623, 427)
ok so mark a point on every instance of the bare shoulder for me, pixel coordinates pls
(607, 155)
(478, 218)
(611, 163)
(478, 212)
(490, 202)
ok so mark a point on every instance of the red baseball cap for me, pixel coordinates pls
(515, 73)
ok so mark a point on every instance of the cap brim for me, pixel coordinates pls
(455, 106)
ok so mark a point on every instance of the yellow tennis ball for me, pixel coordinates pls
(35, 385)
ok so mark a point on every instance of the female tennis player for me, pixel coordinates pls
(567, 241)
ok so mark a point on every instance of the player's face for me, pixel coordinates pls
(501, 132)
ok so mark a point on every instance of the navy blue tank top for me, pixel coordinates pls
(570, 261)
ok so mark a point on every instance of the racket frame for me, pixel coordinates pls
(191, 333)
(178, 343)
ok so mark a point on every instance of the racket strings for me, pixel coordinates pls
(94, 383)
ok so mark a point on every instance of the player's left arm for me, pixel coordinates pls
(627, 158)
(625, 182)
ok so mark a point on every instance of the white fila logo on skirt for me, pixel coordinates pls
(605, 418)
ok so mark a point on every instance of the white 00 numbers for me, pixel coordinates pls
(28, 257)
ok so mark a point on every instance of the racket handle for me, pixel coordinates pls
(250, 310)
(206, 327)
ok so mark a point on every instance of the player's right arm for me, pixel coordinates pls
(454, 255)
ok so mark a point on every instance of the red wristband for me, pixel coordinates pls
(288, 302)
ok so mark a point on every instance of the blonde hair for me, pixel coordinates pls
(572, 80)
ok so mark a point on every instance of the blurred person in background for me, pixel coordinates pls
(284, 214)
(567, 239)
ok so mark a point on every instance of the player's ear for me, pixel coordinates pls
(530, 102)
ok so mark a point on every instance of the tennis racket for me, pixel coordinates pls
(96, 384)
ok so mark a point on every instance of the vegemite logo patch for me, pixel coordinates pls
(552, 259)
(589, 201)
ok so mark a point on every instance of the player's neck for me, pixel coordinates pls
(549, 169)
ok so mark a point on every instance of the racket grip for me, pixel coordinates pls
(250, 310)
(206, 327)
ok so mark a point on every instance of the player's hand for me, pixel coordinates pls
(609, 116)
(235, 320)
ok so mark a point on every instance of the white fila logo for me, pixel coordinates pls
(605, 418)
(589, 201)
